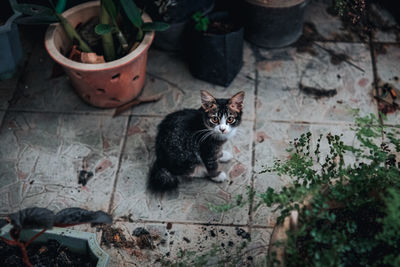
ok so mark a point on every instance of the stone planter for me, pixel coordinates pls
(77, 241)
(105, 85)
(273, 23)
(10, 45)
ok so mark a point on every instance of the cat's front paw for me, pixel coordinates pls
(226, 156)
(220, 178)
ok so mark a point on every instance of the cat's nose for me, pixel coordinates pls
(222, 128)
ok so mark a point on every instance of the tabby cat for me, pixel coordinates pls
(190, 138)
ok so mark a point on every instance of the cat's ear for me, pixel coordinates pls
(236, 102)
(207, 100)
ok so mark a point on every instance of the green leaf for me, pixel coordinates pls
(155, 26)
(101, 29)
(33, 10)
(60, 7)
(133, 12)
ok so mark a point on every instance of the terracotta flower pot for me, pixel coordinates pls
(103, 85)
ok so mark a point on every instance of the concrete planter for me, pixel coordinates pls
(105, 85)
(78, 242)
(10, 48)
(274, 23)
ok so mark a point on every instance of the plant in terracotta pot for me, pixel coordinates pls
(30, 231)
(126, 34)
(342, 206)
(215, 49)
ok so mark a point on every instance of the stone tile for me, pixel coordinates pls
(2, 114)
(328, 26)
(282, 70)
(258, 248)
(191, 201)
(7, 89)
(388, 69)
(168, 74)
(273, 140)
(37, 91)
(42, 154)
(189, 244)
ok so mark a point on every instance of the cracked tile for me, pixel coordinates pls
(37, 91)
(42, 154)
(329, 26)
(282, 70)
(191, 201)
(7, 89)
(2, 114)
(190, 244)
(388, 70)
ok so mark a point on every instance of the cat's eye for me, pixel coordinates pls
(230, 120)
(214, 119)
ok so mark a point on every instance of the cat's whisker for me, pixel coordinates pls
(204, 137)
(199, 133)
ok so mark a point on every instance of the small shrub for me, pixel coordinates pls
(363, 227)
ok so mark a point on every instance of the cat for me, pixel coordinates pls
(190, 138)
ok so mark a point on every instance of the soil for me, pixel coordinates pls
(316, 92)
(305, 42)
(51, 253)
(140, 239)
(221, 27)
(388, 97)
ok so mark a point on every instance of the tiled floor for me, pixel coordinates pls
(48, 134)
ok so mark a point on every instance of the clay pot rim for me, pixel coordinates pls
(62, 60)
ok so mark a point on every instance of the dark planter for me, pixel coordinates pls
(77, 241)
(392, 7)
(174, 11)
(216, 58)
(10, 44)
(273, 23)
(173, 39)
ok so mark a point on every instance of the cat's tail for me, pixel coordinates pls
(161, 180)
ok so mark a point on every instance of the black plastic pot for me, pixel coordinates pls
(174, 11)
(274, 23)
(216, 58)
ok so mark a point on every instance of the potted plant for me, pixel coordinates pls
(34, 226)
(341, 209)
(177, 14)
(126, 35)
(10, 44)
(215, 50)
(273, 23)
